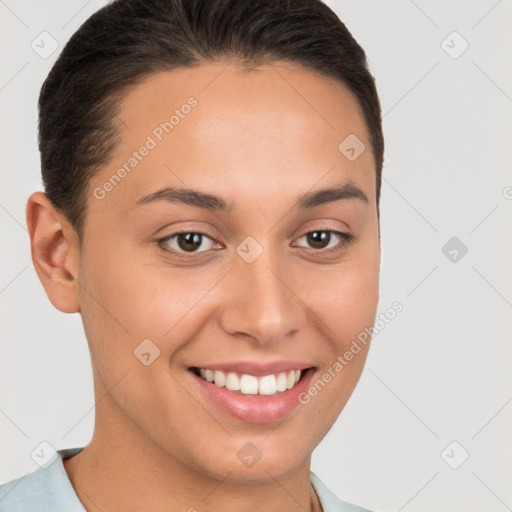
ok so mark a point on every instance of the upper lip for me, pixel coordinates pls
(257, 369)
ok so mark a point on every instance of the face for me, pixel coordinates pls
(214, 255)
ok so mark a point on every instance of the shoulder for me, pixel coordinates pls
(330, 502)
(47, 488)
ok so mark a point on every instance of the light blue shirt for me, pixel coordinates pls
(49, 490)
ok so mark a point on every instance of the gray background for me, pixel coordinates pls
(439, 372)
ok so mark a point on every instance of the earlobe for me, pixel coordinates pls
(55, 252)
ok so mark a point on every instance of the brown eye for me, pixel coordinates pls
(326, 240)
(187, 242)
(318, 239)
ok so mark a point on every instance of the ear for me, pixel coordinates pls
(55, 251)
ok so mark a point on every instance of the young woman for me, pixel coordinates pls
(212, 179)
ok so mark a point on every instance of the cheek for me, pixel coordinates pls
(354, 307)
(346, 298)
(138, 298)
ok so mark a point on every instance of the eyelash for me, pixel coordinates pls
(345, 240)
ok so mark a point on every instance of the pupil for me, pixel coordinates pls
(318, 239)
(194, 239)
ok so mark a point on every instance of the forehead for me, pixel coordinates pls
(266, 127)
(256, 96)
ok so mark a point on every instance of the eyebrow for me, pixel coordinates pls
(208, 201)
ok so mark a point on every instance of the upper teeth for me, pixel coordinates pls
(251, 385)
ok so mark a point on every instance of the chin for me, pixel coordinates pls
(256, 461)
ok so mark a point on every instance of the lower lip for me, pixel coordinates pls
(256, 408)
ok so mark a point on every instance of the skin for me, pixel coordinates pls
(259, 139)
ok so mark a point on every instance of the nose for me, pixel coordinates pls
(261, 303)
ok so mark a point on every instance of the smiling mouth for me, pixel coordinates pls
(246, 384)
